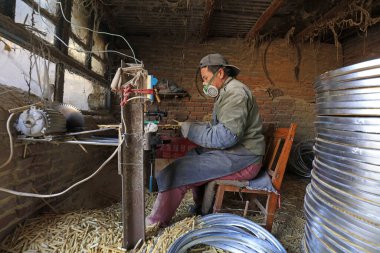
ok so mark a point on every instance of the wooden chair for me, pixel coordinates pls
(275, 160)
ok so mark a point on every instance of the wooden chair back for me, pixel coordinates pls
(277, 153)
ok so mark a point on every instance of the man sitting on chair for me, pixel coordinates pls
(231, 146)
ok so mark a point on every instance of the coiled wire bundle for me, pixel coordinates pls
(301, 158)
(342, 202)
(228, 232)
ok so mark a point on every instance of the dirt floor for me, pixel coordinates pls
(99, 230)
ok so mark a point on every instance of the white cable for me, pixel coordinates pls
(33, 195)
(122, 114)
(81, 50)
(10, 141)
(129, 99)
(86, 28)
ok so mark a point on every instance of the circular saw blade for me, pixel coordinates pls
(74, 118)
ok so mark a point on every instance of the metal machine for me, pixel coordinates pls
(36, 122)
(59, 118)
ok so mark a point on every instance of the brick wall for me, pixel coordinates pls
(45, 168)
(362, 48)
(168, 58)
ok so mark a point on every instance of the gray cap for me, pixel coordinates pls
(218, 59)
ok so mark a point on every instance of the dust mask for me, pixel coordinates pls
(209, 89)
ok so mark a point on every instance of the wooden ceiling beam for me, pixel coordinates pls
(333, 13)
(43, 11)
(267, 14)
(205, 28)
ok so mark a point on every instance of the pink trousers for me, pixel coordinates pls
(168, 201)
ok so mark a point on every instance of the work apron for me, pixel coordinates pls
(203, 164)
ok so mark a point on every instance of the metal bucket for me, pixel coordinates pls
(342, 202)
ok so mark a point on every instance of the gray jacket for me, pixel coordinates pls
(231, 142)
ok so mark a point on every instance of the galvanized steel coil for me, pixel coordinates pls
(342, 202)
(228, 232)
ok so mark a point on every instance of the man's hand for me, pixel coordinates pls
(185, 127)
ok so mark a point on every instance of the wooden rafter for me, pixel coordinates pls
(209, 10)
(333, 13)
(263, 19)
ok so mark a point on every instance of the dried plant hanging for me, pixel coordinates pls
(356, 15)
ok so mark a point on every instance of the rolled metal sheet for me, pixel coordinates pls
(370, 104)
(357, 153)
(351, 166)
(364, 74)
(352, 124)
(350, 69)
(352, 84)
(340, 184)
(349, 94)
(342, 202)
(352, 205)
(348, 112)
(363, 184)
(355, 139)
(359, 173)
(336, 226)
(349, 215)
(361, 121)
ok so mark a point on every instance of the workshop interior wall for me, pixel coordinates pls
(362, 48)
(285, 100)
(48, 168)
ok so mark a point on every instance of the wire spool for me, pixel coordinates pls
(342, 202)
(301, 158)
(228, 232)
(36, 122)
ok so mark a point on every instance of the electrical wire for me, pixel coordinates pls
(33, 195)
(199, 89)
(228, 232)
(82, 50)
(99, 32)
(301, 158)
(132, 98)
(10, 141)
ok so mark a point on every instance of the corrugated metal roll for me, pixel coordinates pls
(342, 202)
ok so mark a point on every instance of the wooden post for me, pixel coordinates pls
(263, 19)
(133, 205)
(90, 39)
(62, 31)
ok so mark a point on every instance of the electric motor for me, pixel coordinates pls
(38, 122)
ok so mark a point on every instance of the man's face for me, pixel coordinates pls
(207, 76)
